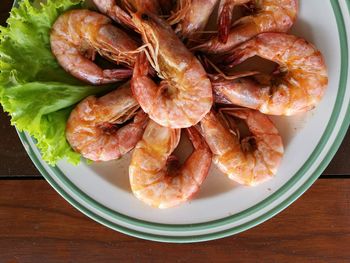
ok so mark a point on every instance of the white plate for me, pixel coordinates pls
(223, 208)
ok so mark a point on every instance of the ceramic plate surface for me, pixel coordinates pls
(223, 208)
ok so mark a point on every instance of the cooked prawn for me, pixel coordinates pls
(192, 16)
(155, 175)
(92, 128)
(250, 161)
(78, 35)
(184, 96)
(297, 86)
(270, 16)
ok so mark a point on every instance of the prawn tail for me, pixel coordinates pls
(117, 74)
(219, 96)
(241, 113)
(225, 22)
(173, 164)
(201, 158)
(122, 17)
(239, 55)
(142, 66)
(196, 138)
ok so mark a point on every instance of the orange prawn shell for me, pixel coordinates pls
(185, 95)
(245, 167)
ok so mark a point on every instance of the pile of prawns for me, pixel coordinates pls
(172, 87)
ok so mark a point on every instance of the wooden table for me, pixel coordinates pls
(37, 225)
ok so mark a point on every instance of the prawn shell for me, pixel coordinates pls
(185, 94)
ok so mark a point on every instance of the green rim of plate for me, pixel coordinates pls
(224, 221)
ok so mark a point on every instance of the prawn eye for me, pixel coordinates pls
(144, 17)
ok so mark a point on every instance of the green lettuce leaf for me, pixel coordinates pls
(37, 93)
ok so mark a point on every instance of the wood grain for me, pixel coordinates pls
(340, 165)
(36, 223)
(14, 159)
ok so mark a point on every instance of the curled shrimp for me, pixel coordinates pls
(270, 16)
(192, 16)
(118, 14)
(250, 161)
(92, 128)
(184, 96)
(78, 35)
(155, 176)
(296, 87)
